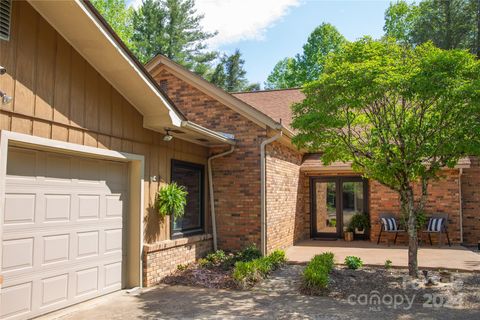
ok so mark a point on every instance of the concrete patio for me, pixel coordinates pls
(433, 257)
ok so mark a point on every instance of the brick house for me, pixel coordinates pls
(304, 198)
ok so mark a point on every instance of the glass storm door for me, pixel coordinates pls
(334, 201)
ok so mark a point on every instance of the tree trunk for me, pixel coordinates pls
(408, 206)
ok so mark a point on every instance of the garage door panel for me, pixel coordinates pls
(113, 275)
(88, 207)
(62, 231)
(17, 254)
(87, 244)
(56, 249)
(113, 240)
(54, 290)
(19, 208)
(57, 207)
(16, 300)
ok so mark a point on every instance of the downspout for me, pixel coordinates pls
(210, 188)
(461, 203)
(263, 196)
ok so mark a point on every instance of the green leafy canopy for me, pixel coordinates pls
(171, 199)
(398, 114)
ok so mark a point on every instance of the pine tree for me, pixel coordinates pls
(172, 28)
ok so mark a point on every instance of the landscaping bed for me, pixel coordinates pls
(220, 270)
(376, 286)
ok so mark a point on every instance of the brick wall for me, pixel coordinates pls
(471, 202)
(443, 197)
(162, 258)
(285, 201)
(236, 177)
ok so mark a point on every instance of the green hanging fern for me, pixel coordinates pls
(171, 199)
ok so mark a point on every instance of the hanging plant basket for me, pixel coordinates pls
(171, 199)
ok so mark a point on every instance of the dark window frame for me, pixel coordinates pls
(192, 231)
(338, 180)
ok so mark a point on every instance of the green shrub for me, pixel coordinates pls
(316, 275)
(353, 262)
(277, 258)
(247, 273)
(217, 259)
(249, 253)
(388, 264)
(182, 267)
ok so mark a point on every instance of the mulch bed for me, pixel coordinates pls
(462, 289)
(196, 276)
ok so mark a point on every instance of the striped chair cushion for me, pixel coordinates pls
(435, 224)
(390, 224)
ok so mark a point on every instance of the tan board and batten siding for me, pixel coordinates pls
(58, 95)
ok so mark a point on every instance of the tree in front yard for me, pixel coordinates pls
(398, 114)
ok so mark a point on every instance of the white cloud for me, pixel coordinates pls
(237, 20)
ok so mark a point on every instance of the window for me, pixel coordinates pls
(5, 11)
(191, 176)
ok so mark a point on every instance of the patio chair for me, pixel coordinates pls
(437, 224)
(388, 225)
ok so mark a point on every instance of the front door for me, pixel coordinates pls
(334, 201)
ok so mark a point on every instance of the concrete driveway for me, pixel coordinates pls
(178, 302)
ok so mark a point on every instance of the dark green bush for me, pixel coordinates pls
(316, 275)
(353, 262)
(249, 253)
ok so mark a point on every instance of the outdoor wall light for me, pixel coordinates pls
(6, 99)
(167, 137)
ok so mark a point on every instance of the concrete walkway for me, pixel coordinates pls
(453, 258)
(178, 302)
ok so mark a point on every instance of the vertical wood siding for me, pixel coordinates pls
(58, 95)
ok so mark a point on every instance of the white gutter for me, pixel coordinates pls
(207, 132)
(212, 198)
(461, 203)
(263, 197)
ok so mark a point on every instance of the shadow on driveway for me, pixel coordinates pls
(179, 302)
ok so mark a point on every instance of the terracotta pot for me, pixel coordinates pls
(348, 236)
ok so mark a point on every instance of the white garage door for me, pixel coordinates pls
(62, 231)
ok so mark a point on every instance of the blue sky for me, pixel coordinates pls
(266, 31)
(287, 36)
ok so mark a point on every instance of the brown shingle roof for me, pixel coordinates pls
(274, 103)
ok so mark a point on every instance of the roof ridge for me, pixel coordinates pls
(266, 90)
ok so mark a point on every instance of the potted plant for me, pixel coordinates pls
(171, 199)
(348, 234)
(360, 223)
